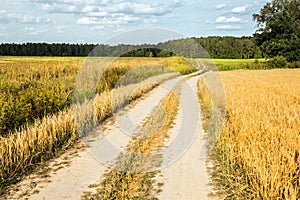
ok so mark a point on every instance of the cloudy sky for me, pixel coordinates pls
(96, 21)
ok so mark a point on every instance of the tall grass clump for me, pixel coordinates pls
(19, 152)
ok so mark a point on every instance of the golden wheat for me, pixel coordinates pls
(260, 143)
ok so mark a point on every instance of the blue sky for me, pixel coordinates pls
(96, 21)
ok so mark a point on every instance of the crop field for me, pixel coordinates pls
(257, 155)
(235, 64)
(230, 64)
(36, 119)
(258, 151)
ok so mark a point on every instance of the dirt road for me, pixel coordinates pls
(184, 171)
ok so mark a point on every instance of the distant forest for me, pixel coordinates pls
(216, 47)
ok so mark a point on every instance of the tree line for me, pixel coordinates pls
(215, 47)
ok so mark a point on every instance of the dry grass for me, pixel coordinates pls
(258, 151)
(90, 113)
(36, 143)
(133, 174)
(213, 103)
(205, 102)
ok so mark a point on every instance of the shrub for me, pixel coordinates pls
(295, 64)
(277, 62)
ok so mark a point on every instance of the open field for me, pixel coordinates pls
(231, 64)
(36, 120)
(258, 151)
(33, 87)
(12, 59)
(235, 64)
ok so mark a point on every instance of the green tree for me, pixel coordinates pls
(278, 32)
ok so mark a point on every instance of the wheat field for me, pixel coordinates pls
(258, 151)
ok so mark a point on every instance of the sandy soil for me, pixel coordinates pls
(184, 172)
(71, 180)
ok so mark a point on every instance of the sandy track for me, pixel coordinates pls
(186, 177)
(87, 167)
(184, 167)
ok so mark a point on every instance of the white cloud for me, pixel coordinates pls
(105, 13)
(61, 29)
(98, 14)
(228, 28)
(84, 2)
(142, 9)
(89, 8)
(35, 31)
(67, 6)
(73, 2)
(221, 6)
(3, 35)
(112, 21)
(60, 8)
(34, 20)
(89, 2)
(223, 19)
(24, 19)
(240, 9)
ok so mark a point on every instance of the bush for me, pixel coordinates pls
(295, 64)
(277, 62)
